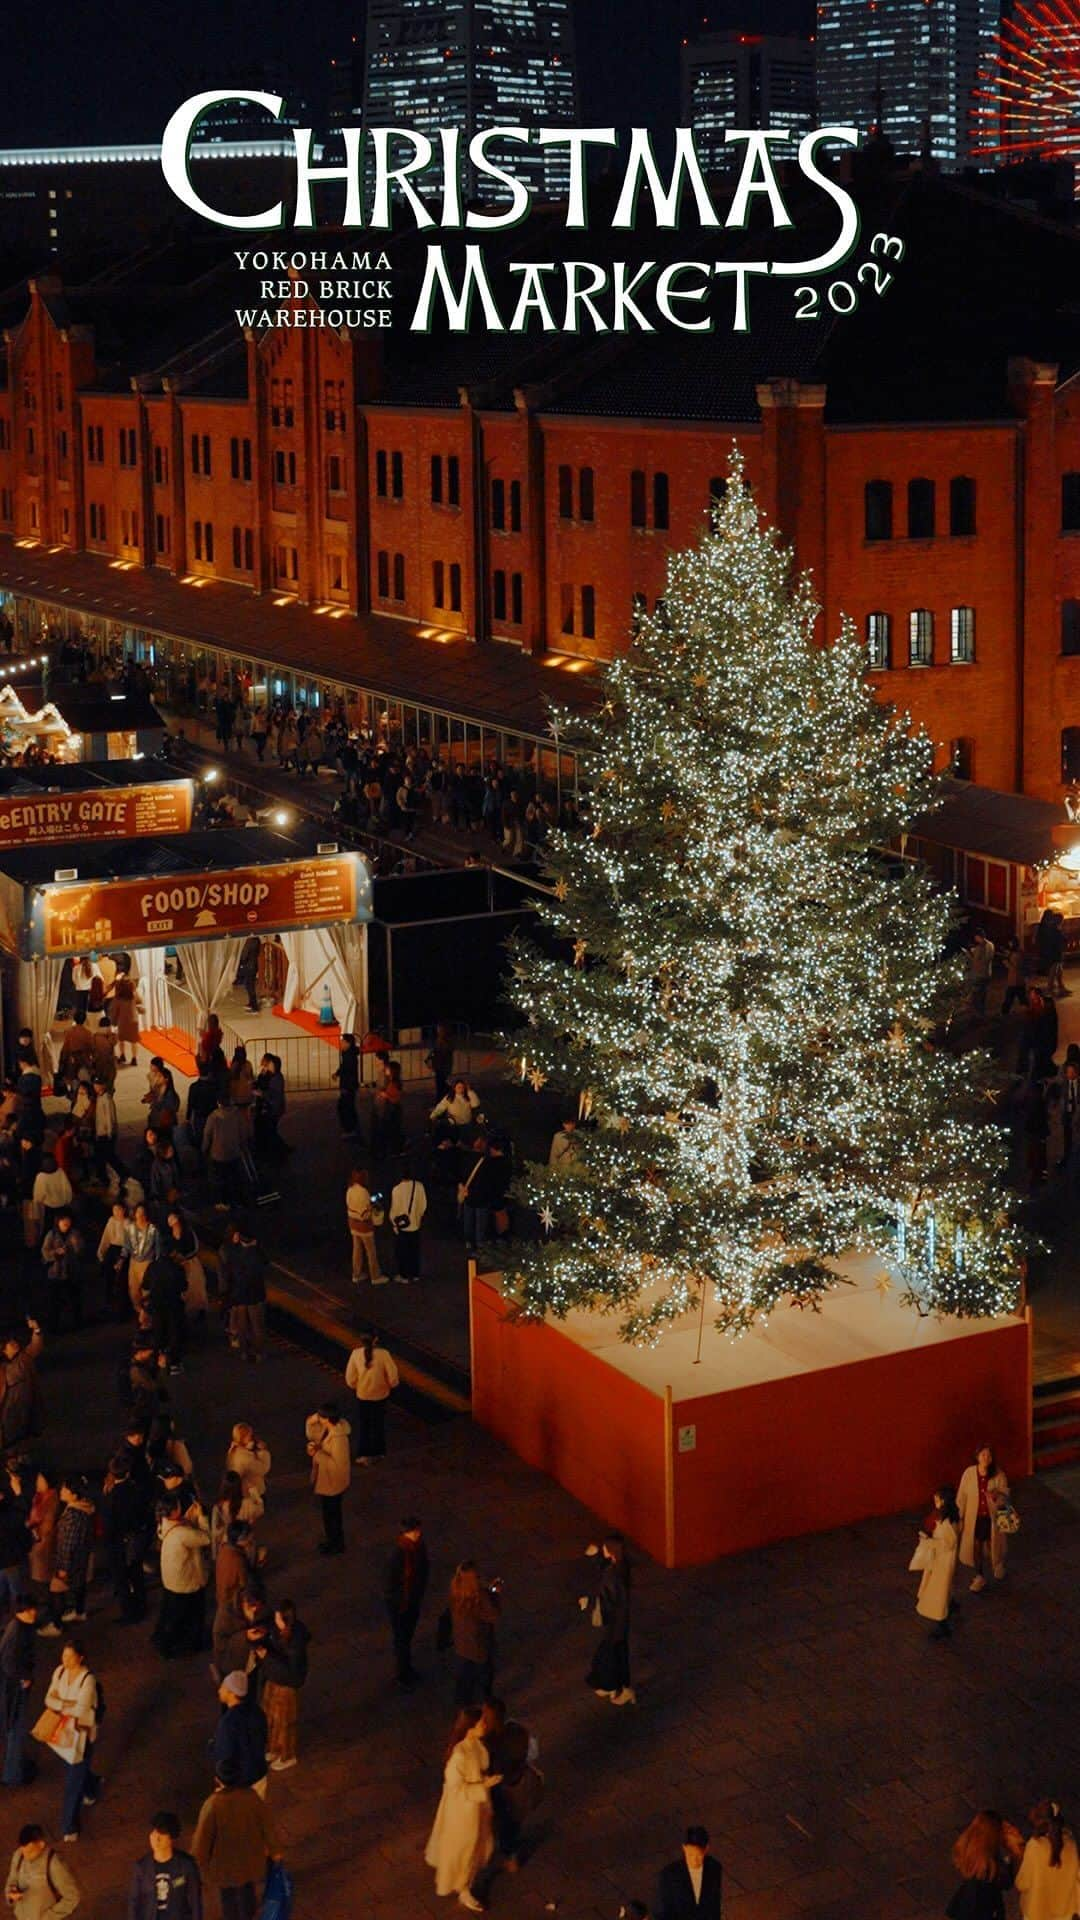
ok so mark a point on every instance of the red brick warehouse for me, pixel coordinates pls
(922, 457)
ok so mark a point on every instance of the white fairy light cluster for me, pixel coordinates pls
(745, 988)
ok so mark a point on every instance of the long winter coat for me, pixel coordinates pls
(967, 1499)
(461, 1840)
(935, 1587)
(331, 1462)
(18, 1384)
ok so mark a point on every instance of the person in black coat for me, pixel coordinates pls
(609, 1675)
(128, 1521)
(201, 1101)
(164, 1284)
(691, 1888)
(247, 973)
(348, 1079)
(406, 1584)
(18, 1644)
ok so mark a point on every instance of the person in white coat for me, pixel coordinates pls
(1048, 1877)
(462, 1839)
(331, 1471)
(250, 1458)
(455, 1115)
(372, 1374)
(73, 1694)
(983, 1490)
(936, 1556)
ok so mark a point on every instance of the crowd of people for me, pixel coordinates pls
(389, 786)
(1042, 1096)
(145, 1520)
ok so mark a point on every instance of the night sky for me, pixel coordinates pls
(111, 72)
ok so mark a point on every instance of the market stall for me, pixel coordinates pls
(75, 722)
(1006, 856)
(199, 895)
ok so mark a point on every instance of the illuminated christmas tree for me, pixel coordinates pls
(741, 990)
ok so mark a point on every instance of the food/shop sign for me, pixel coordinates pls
(103, 813)
(165, 909)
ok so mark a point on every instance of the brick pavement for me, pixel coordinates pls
(789, 1698)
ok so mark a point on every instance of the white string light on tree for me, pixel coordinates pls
(747, 989)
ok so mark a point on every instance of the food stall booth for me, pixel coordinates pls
(77, 721)
(199, 895)
(1006, 856)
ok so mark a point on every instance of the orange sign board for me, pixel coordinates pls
(195, 906)
(105, 813)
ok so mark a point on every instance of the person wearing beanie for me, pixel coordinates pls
(240, 1737)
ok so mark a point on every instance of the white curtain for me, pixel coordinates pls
(209, 970)
(349, 943)
(293, 943)
(36, 996)
(333, 957)
(148, 966)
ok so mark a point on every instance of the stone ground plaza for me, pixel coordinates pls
(788, 1698)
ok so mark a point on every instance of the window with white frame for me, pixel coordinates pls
(920, 637)
(877, 642)
(962, 636)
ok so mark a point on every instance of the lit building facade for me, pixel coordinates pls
(473, 64)
(459, 527)
(744, 80)
(905, 69)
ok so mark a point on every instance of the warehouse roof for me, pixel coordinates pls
(1002, 826)
(402, 659)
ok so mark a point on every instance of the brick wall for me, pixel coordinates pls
(589, 508)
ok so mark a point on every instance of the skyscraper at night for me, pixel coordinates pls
(744, 80)
(474, 64)
(905, 69)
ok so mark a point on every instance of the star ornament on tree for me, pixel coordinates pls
(537, 1079)
(883, 1285)
(580, 950)
(547, 1219)
(562, 887)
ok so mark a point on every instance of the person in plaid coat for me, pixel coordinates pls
(74, 1544)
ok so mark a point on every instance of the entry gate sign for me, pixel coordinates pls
(100, 813)
(164, 909)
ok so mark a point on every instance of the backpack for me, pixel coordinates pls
(49, 1881)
